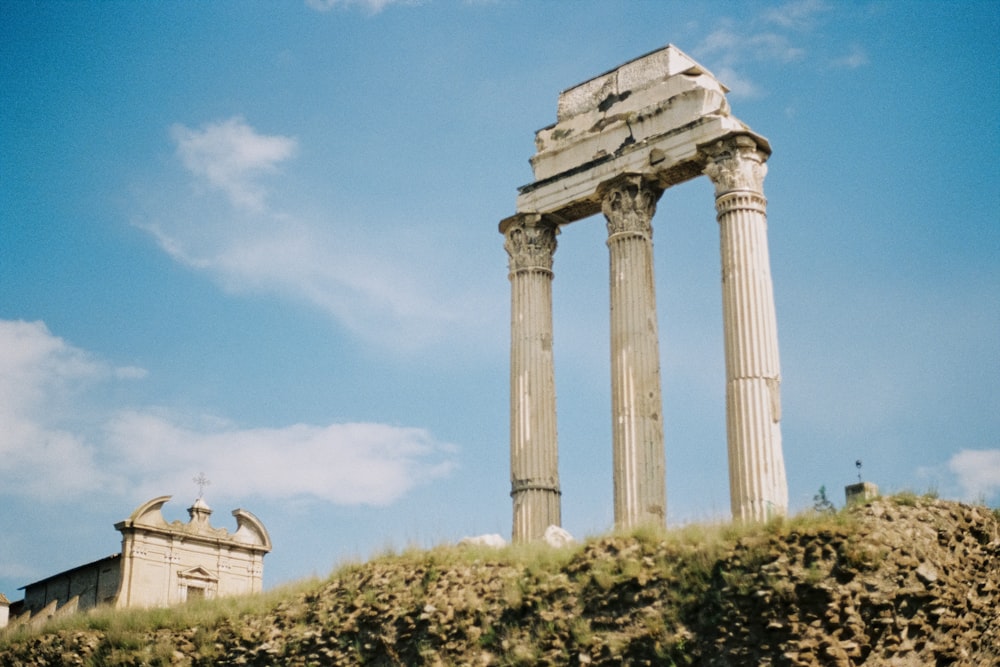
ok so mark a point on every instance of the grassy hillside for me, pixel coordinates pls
(902, 581)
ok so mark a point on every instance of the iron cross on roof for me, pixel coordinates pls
(202, 482)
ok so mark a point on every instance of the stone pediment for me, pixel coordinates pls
(148, 517)
(198, 573)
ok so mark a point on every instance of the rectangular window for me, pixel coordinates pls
(195, 593)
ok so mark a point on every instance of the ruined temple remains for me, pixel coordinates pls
(620, 140)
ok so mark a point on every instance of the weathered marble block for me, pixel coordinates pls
(649, 116)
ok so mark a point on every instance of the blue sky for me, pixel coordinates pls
(259, 240)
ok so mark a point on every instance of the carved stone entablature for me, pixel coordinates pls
(736, 163)
(530, 241)
(629, 204)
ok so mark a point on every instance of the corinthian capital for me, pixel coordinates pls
(736, 164)
(629, 203)
(530, 241)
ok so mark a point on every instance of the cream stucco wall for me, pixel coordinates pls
(160, 564)
(93, 584)
(166, 563)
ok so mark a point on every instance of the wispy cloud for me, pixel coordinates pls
(373, 6)
(775, 36)
(230, 155)
(346, 464)
(377, 299)
(798, 15)
(45, 454)
(977, 472)
(729, 51)
(738, 85)
(730, 47)
(41, 380)
(856, 57)
(382, 292)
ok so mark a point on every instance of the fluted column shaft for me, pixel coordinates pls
(640, 495)
(758, 488)
(530, 241)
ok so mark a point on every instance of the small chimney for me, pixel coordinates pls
(861, 492)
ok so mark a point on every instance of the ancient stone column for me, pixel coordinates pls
(640, 496)
(530, 241)
(757, 485)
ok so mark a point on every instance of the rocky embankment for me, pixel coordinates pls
(904, 581)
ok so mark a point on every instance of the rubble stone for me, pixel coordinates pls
(640, 600)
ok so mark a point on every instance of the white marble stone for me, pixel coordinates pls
(649, 116)
(620, 140)
(556, 536)
(758, 488)
(638, 458)
(639, 74)
(489, 540)
(530, 241)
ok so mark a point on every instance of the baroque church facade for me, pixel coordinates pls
(160, 564)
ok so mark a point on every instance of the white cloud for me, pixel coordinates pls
(383, 292)
(731, 48)
(43, 453)
(729, 51)
(373, 6)
(230, 155)
(978, 472)
(853, 59)
(130, 373)
(720, 41)
(347, 464)
(382, 299)
(738, 85)
(796, 15)
(42, 379)
(776, 35)
(33, 361)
